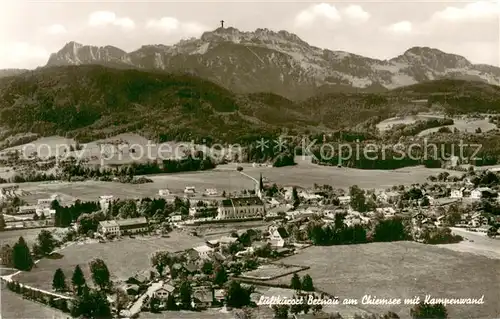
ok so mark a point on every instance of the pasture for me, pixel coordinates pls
(14, 306)
(403, 270)
(410, 119)
(124, 258)
(465, 125)
(269, 271)
(11, 236)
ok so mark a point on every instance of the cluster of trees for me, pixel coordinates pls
(385, 230)
(38, 296)
(306, 284)
(397, 131)
(435, 236)
(65, 215)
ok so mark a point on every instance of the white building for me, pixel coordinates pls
(190, 191)
(278, 236)
(479, 193)
(164, 291)
(211, 192)
(344, 199)
(105, 201)
(457, 193)
(109, 227)
(164, 192)
(240, 208)
(47, 212)
(204, 251)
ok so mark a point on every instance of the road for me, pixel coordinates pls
(136, 307)
(480, 244)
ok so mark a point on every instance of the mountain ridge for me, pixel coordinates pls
(280, 62)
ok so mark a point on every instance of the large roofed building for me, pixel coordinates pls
(123, 226)
(241, 208)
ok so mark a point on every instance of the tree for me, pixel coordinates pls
(492, 232)
(59, 280)
(2, 222)
(160, 260)
(307, 283)
(78, 280)
(390, 315)
(185, 292)
(122, 300)
(100, 273)
(220, 275)
(295, 197)
(358, 200)
(21, 255)
(171, 303)
(154, 305)
(207, 268)
(237, 296)
(429, 311)
(281, 311)
(295, 282)
(92, 304)
(46, 242)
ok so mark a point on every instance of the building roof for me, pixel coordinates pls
(167, 287)
(141, 221)
(282, 231)
(108, 223)
(203, 295)
(242, 201)
(203, 249)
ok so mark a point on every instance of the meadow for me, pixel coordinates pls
(11, 236)
(403, 270)
(13, 306)
(410, 119)
(268, 271)
(124, 258)
(465, 125)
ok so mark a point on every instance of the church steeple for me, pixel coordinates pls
(261, 183)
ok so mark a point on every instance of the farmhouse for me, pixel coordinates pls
(202, 298)
(27, 209)
(457, 193)
(189, 191)
(109, 227)
(164, 192)
(164, 291)
(278, 236)
(344, 199)
(211, 192)
(239, 208)
(203, 252)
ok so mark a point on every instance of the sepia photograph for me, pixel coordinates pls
(233, 159)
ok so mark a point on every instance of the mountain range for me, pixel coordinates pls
(280, 62)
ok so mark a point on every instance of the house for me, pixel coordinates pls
(219, 295)
(109, 227)
(278, 236)
(164, 291)
(211, 192)
(47, 212)
(482, 192)
(164, 192)
(27, 210)
(457, 193)
(389, 197)
(105, 201)
(202, 298)
(240, 208)
(176, 218)
(344, 200)
(203, 252)
(190, 191)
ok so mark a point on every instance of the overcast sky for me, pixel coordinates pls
(30, 31)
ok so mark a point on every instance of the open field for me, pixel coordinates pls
(306, 174)
(124, 258)
(13, 306)
(464, 125)
(410, 119)
(403, 270)
(481, 244)
(268, 271)
(11, 236)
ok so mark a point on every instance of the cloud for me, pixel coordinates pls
(474, 11)
(318, 11)
(22, 55)
(56, 29)
(173, 25)
(401, 27)
(356, 13)
(104, 18)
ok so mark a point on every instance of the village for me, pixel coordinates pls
(242, 237)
